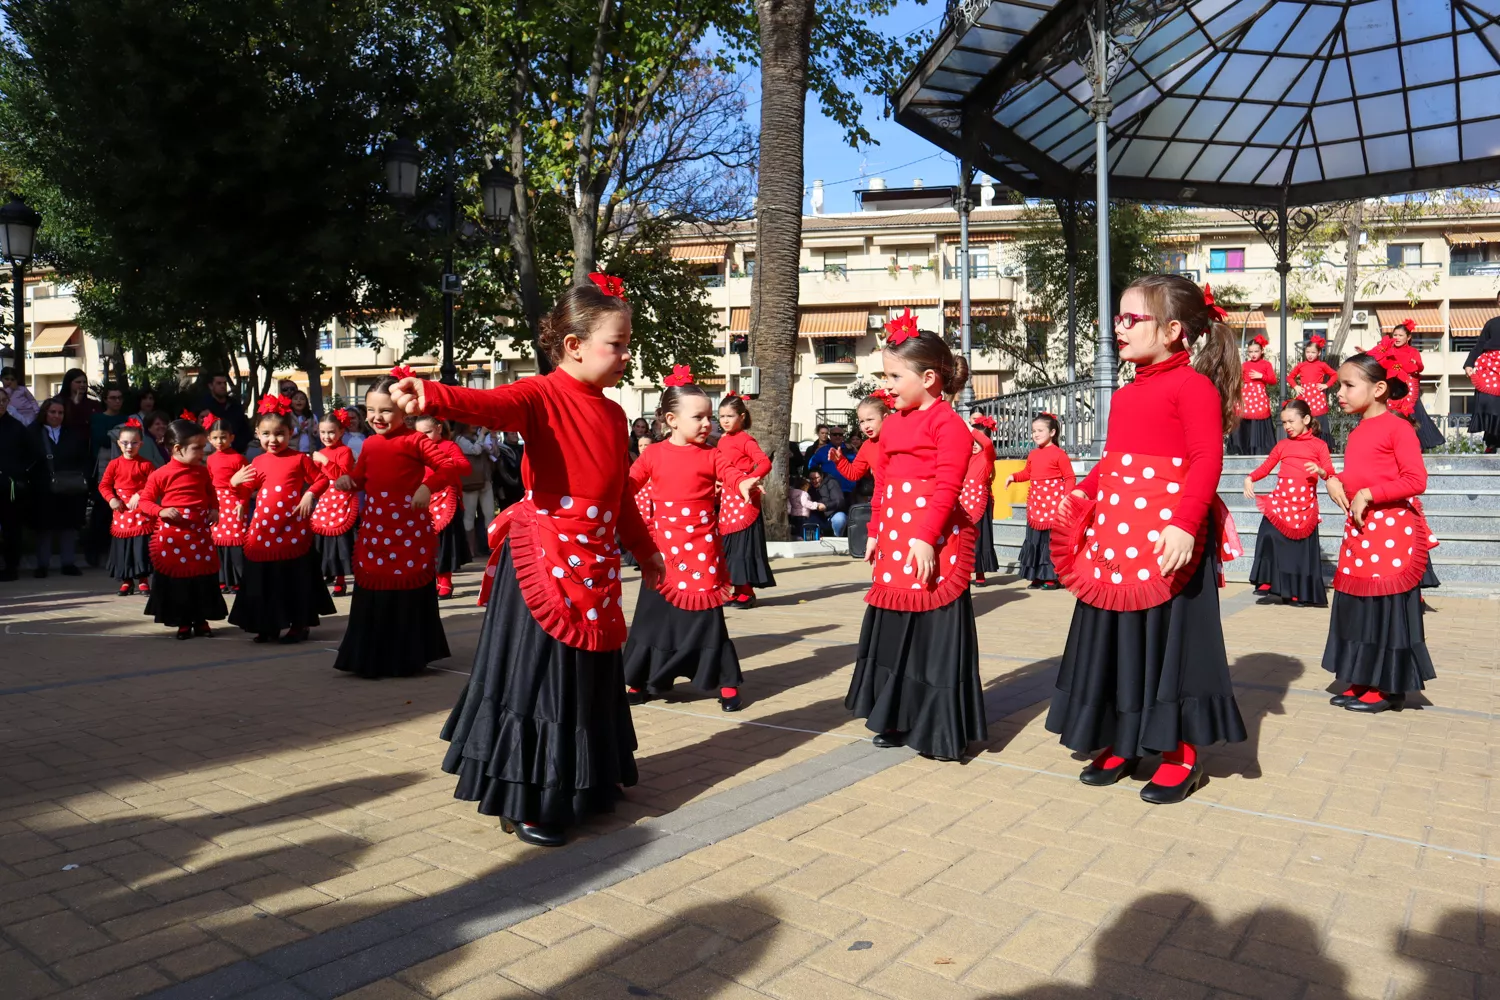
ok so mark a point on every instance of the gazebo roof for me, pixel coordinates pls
(1241, 102)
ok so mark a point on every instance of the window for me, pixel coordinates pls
(1227, 259)
(1404, 255)
(1174, 262)
(739, 343)
(325, 339)
(749, 266)
(1461, 401)
(836, 262)
(1036, 338)
(836, 351)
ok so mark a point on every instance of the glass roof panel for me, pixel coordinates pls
(1380, 114)
(1477, 97)
(1335, 121)
(1270, 29)
(1212, 163)
(1420, 18)
(1432, 105)
(1473, 56)
(1370, 25)
(1481, 138)
(1335, 86)
(1311, 33)
(1243, 122)
(1275, 171)
(1239, 68)
(1375, 72)
(1306, 87)
(1024, 103)
(1138, 157)
(1306, 169)
(952, 81)
(1342, 159)
(1277, 78)
(1172, 55)
(1176, 160)
(1166, 117)
(1021, 18)
(974, 62)
(1175, 31)
(1248, 165)
(1428, 62)
(1490, 6)
(1435, 146)
(1392, 152)
(1205, 119)
(1279, 125)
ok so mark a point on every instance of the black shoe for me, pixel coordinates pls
(294, 635)
(185, 632)
(202, 629)
(41, 573)
(1165, 795)
(637, 697)
(1341, 700)
(266, 637)
(729, 704)
(1034, 585)
(746, 604)
(71, 571)
(1052, 585)
(535, 833)
(889, 741)
(1100, 777)
(1387, 703)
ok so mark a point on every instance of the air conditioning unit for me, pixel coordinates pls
(1360, 317)
(750, 381)
(876, 322)
(501, 365)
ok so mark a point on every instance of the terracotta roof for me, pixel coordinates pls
(904, 303)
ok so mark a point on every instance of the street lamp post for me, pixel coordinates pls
(497, 189)
(18, 225)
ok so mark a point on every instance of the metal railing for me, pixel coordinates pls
(1072, 403)
(712, 280)
(1486, 268)
(975, 270)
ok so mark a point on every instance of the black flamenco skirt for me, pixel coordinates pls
(745, 555)
(185, 601)
(1252, 437)
(1430, 579)
(284, 593)
(1428, 436)
(392, 633)
(231, 565)
(336, 554)
(1378, 642)
(1293, 567)
(1484, 418)
(917, 672)
(542, 732)
(1144, 681)
(1035, 562)
(667, 642)
(1325, 429)
(985, 560)
(453, 545)
(129, 558)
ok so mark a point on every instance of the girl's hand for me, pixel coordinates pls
(239, 512)
(135, 502)
(1336, 493)
(116, 505)
(345, 483)
(652, 571)
(1173, 549)
(1249, 488)
(169, 513)
(1469, 372)
(1006, 485)
(1313, 469)
(870, 551)
(1079, 494)
(242, 475)
(320, 458)
(420, 498)
(409, 396)
(923, 558)
(1359, 505)
(211, 517)
(749, 486)
(305, 506)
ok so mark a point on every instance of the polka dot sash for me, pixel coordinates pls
(275, 531)
(1315, 396)
(1042, 498)
(696, 577)
(1292, 507)
(734, 513)
(228, 529)
(395, 548)
(130, 524)
(335, 513)
(894, 585)
(1254, 403)
(1486, 376)
(184, 548)
(1387, 555)
(444, 507)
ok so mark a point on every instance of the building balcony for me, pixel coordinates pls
(842, 367)
(52, 309)
(1484, 268)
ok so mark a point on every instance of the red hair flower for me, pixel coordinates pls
(730, 398)
(609, 284)
(887, 397)
(133, 423)
(1214, 309)
(984, 420)
(1260, 339)
(1410, 324)
(274, 404)
(403, 371)
(900, 328)
(188, 415)
(342, 418)
(681, 375)
(1317, 341)
(1049, 416)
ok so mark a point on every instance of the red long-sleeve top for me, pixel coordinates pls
(288, 472)
(1311, 373)
(745, 453)
(1173, 411)
(690, 472)
(398, 462)
(340, 461)
(461, 464)
(575, 440)
(927, 444)
(1408, 358)
(1258, 371)
(1047, 462)
(1384, 456)
(867, 458)
(1293, 454)
(178, 485)
(222, 465)
(123, 478)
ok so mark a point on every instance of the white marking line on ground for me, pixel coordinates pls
(751, 722)
(1297, 820)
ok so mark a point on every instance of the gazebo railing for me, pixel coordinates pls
(1071, 402)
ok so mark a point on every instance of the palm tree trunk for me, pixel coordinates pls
(785, 43)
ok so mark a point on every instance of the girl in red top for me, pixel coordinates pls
(869, 414)
(916, 679)
(1404, 362)
(678, 630)
(1482, 364)
(1376, 645)
(1288, 563)
(337, 512)
(1049, 470)
(185, 567)
(1138, 543)
(741, 525)
(542, 735)
(1310, 379)
(283, 587)
(130, 530)
(234, 511)
(982, 427)
(1255, 434)
(394, 627)
(448, 508)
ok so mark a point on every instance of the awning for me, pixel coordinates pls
(906, 303)
(1468, 321)
(980, 238)
(701, 253)
(1427, 318)
(1178, 238)
(979, 310)
(834, 321)
(1471, 239)
(986, 384)
(1254, 320)
(53, 338)
(709, 380)
(739, 319)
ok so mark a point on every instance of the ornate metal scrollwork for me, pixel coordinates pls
(964, 14)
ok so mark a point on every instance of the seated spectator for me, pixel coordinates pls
(828, 503)
(822, 458)
(798, 506)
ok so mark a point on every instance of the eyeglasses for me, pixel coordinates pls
(1126, 321)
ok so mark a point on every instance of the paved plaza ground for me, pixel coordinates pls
(217, 819)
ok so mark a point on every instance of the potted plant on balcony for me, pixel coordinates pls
(893, 268)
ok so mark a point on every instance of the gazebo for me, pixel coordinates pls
(1260, 105)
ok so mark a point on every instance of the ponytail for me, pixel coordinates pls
(1218, 357)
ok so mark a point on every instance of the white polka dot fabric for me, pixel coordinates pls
(688, 534)
(1387, 554)
(1486, 377)
(894, 584)
(184, 548)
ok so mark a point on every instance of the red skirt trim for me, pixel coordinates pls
(335, 513)
(1042, 499)
(893, 587)
(734, 513)
(131, 524)
(1292, 509)
(1486, 377)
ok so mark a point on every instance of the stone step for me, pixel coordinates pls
(1483, 483)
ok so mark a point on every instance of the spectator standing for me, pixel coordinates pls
(18, 460)
(829, 504)
(224, 407)
(640, 428)
(481, 449)
(304, 423)
(62, 486)
(23, 405)
(145, 405)
(354, 436)
(507, 471)
(154, 446)
(821, 442)
(101, 452)
(823, 459)
(78, 408)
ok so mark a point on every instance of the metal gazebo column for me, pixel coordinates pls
(1283, 268)
(1104, 351)
(966, 326)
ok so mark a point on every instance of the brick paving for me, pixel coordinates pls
(215, 819)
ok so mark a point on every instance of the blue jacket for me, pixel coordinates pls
(823, 459)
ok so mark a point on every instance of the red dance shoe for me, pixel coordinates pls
(126, 588)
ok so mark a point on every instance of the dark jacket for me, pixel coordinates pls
(18, 459)
(51, 510)
(830, 494)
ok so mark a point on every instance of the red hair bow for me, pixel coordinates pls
(403, 371)
(1317, 341)
(133, 423)
(886, 396)
(1049, 416)
(1260, 339)
(984, 420)
(901, 328)
(188, 415)
(341, 417)
(732, 396)
(681, 375)
(609, 284)
(1214, 309)
(1410, 324)
(274, 404)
